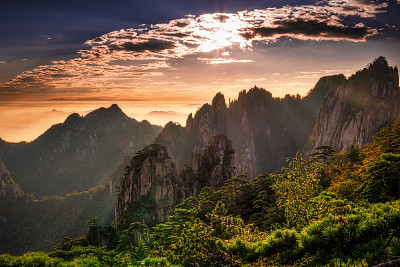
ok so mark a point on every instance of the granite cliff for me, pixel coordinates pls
(356, 110)
(9, 190)
(265, 130)
(152, 186)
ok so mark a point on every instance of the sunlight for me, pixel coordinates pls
(219, 31)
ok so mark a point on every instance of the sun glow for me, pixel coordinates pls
(220, 31)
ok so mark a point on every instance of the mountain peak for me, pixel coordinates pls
(378, 70)
(219, 100)
(73, 118)
(8, 188)
(113, 112)
(115, 107)
(380, 61)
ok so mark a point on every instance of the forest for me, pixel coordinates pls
(334, 209)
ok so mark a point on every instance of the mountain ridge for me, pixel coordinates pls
(77, 154)
(254, 119)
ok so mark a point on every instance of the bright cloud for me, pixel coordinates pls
(129, 61)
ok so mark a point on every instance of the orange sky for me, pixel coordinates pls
(164, 71)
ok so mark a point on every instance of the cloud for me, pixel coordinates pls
(134, 60)
(164, 113)
(361, 8)
(152, 45)
(317, 74)
(250, 80)
(216, 61)
(311, 29)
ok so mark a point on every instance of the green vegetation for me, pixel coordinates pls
(336, 210)
(33, 224)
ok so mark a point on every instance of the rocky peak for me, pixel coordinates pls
(189, 122)
(355, 111)
(378, 70)
(113, 113)
(322, 88)
(72, 119)
(217, 164)
(218, 102)
(8, 188)
(152, 182)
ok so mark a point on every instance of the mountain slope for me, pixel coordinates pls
(29, 224)
(264, 129)
(77, 154)
(352, 114)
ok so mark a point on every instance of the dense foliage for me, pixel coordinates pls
(334, 210)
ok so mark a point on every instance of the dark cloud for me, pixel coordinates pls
(177, 34)
(152, 45)
(98, 40)
(182, 24)
(310, 28)
(350, 8)
(222, 18)
(61, 75)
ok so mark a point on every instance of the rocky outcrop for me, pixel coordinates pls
(212, 167)
(152, 175)
(217, 163)
(8, 188)
(352, 114)
(152, 187)
(264, 130)
(78, 154)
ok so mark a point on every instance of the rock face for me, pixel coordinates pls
(152, 187)
(78, 154)
(8, 188)
(154, 175)
(352, 114)
(217, 164)
(264, 130)
(212, 167)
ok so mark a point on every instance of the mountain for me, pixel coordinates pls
(78, 154)
(152, 185)
(29, 224)
(8, 188)
(264, 129)
(359, 108)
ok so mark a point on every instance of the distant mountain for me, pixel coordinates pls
(359, 108)
(264, 129)
(78, 154)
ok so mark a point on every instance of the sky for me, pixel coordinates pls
(161, 60)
